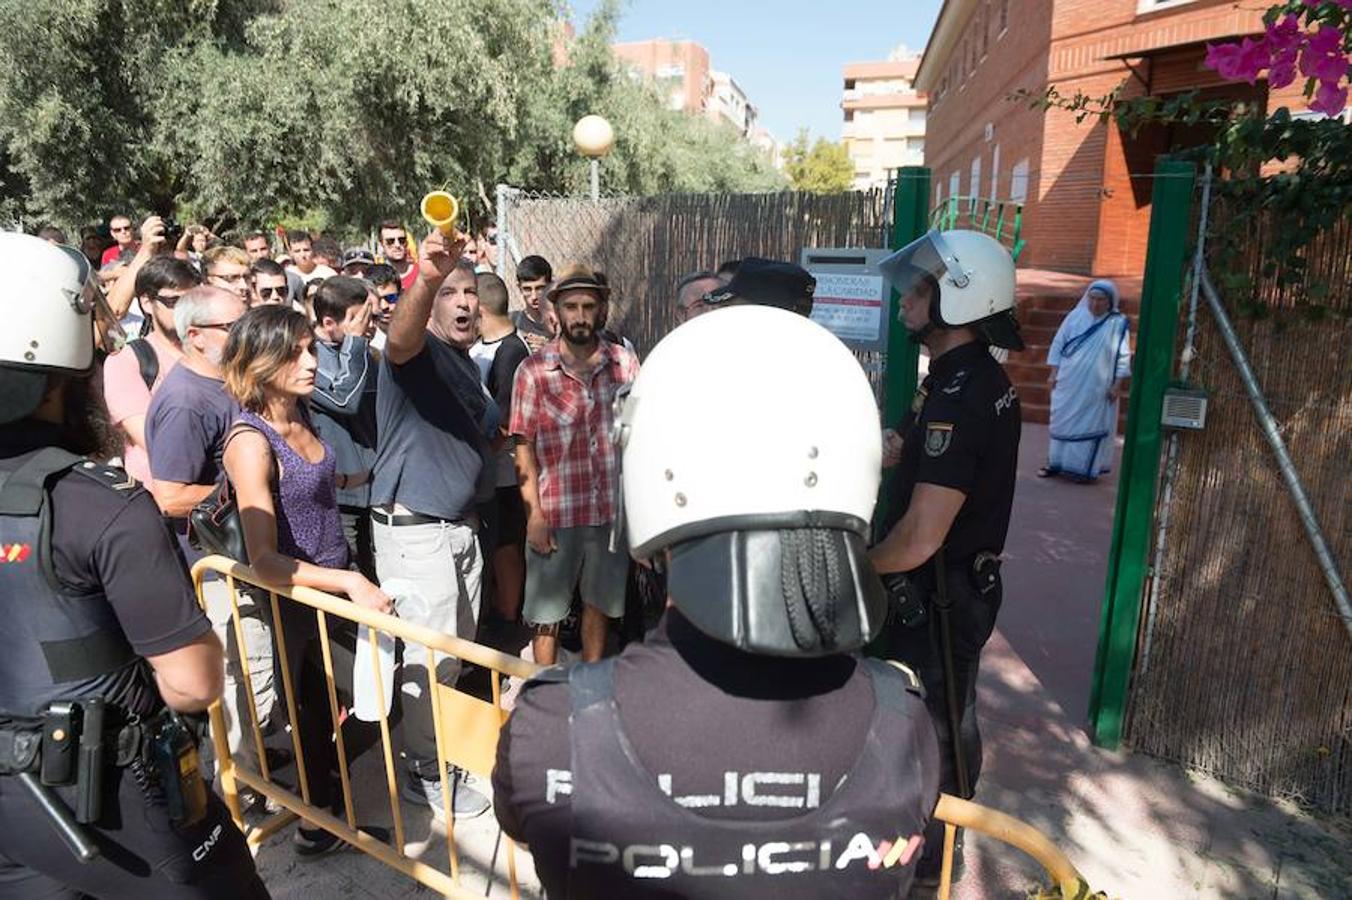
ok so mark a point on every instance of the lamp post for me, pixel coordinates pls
(593, 137)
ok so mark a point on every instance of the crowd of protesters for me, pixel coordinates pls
(392, 432)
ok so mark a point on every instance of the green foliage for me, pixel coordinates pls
(825, 168)
(1286, 178)
(252, 112)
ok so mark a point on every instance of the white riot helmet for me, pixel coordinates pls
(50, 294)
(751, 451)
(969, 277)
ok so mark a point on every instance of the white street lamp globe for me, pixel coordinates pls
(593, 137)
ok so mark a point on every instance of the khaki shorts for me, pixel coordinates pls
(583, 558)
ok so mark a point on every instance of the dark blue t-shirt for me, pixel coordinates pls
(186, 425)
(431, 417)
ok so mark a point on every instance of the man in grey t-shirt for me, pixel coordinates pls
(186, 425)
(433, 419)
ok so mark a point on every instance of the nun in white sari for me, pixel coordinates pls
(1090, 357)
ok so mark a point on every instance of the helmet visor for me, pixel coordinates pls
(922, 267)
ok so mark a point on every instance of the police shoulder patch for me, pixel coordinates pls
(938, 437)
(954, 386)
(111, 477)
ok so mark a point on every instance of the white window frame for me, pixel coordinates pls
(1147, 6)
(974, 181)
(995, 173)
(1018, 181)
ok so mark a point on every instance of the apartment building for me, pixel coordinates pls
(884, 117)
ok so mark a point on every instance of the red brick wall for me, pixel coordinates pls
(1085, 209)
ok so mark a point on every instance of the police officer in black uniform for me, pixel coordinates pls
(103, 646)
(951, 494)
(745, 749)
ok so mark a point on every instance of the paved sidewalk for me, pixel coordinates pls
(1137, 828)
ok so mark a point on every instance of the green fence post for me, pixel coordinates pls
(1133, 519)
(910, 220)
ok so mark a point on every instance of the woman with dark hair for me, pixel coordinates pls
(284, 479)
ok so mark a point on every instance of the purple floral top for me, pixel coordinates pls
(309, 527)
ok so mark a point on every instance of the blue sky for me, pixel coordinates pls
(786, 55)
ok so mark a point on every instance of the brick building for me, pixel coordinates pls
(680, 69)
(884, 125)
(1087, 202)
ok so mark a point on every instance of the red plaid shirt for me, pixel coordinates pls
(568, 423)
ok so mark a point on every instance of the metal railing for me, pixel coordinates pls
(475, 723)
(1001, 219)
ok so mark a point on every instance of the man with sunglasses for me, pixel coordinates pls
(189, 417)
(131, 375)
(394, 253)
(124, 238)
(388, 288)
(269, 283)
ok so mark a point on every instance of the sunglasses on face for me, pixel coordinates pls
(392, 241)
(271, 291)
(167, 300)
(222, 326)
(389, 298)
(120, 228)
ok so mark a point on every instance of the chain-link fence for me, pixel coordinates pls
(645, 244)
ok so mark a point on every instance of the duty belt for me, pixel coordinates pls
(21, 742)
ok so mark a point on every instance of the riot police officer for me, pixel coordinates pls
(746, 749)
(951, 495)
(103, 645)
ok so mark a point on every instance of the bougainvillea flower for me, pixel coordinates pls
(1329, 99)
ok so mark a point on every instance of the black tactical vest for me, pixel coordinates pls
(629, 839)
(53, 645)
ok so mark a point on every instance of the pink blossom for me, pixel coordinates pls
(1329, 98)
(1282, 72)
(1224, 58)
(1323, 56)
(1285, 33)
(1235, 61)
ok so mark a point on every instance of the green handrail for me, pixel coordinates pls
(975, 213)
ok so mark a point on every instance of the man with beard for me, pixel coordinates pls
(103, 644)
(434, 422)
(394, 253)
(567, 467)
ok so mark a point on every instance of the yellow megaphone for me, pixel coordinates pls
(440, 209)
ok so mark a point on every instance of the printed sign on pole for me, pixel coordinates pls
(851, 299)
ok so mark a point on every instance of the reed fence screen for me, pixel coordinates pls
(646, 244)
(1246, 670)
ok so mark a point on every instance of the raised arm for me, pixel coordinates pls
(408, 329)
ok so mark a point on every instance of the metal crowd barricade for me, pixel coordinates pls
(474, 722)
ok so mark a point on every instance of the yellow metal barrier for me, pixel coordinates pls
(475, 723)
